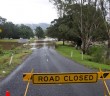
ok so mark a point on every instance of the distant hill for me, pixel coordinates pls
(42, 25)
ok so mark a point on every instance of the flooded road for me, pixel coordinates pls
(42, 43)
(44, 59)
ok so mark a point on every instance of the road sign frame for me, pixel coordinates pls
(64, 74)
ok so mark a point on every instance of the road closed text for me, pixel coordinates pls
(64, 78)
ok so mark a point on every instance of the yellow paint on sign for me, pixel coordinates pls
(26, 76)
(64, 78)
(106, 75)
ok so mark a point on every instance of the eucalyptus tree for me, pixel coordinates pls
(92, 21)
(90, 17)
(105, 7)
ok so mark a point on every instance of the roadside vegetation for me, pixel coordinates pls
(84, 23)
(10, 35)
(9, 30)
(91, 60)
(9, 48)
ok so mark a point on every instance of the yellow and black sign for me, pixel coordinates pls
(64, 78)
(26, 76)
(104, 75)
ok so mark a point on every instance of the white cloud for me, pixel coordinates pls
(27, 11)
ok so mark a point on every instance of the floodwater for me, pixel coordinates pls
(41, 43)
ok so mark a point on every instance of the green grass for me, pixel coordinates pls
(77, 57)
(20, 53)
(18, 57)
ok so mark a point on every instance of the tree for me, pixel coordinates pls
(58, 29)
(25, 31)
(104, 10)
(83, 14)
(39, 32)
(2, 21)
(9, 30)
(92, 21)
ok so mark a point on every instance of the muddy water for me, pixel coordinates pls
(41, 44)
(9, 45)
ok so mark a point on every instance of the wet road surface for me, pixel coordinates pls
(46, 59)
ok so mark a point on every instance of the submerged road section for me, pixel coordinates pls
(45, 59)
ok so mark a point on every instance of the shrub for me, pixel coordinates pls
(107, 61)
(94, 49)
(1, 50)
(98, 53)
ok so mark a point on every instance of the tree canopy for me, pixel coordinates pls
(10, 30)
(39, 32)
(80, 22)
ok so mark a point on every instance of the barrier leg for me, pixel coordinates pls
(105, 85)
(28, 83)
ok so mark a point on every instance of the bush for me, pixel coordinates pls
(95, 49)
(1, 50)
(98, 53)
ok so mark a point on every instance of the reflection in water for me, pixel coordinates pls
(33, 47)
(40, 44)
(45, 45)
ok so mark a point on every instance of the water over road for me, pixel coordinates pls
(45, 59)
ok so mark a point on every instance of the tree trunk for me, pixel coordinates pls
(63, 42)
(83, 46)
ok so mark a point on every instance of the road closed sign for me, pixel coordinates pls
(64, 78)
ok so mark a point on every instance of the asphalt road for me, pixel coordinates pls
(46, 59)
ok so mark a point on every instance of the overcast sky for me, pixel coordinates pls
(27, 11)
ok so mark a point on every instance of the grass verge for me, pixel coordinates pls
(72, 53)
(19, 54)
(17, 59)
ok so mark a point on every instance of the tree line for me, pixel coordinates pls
(81, 21)
(15, 31)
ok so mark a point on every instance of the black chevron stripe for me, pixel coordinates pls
(104, 75)
(24, 75)
(31, 78)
